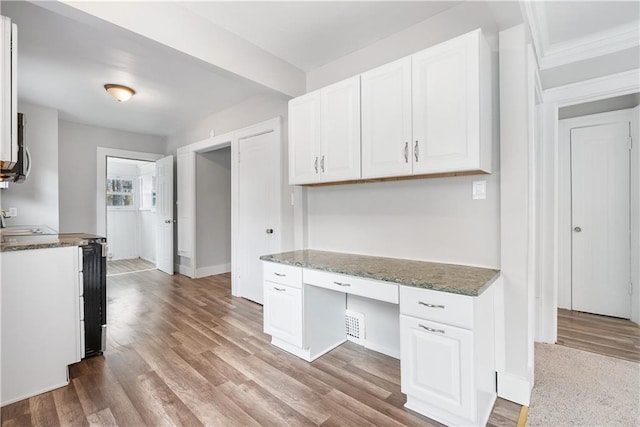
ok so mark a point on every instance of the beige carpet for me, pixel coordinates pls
(576, 388)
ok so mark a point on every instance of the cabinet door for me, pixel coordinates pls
(436, 364)
(283, 312)
(304, 139)
(446, 106)
(340, 134)
(386, 120)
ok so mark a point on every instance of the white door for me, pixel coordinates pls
(164, 214)
(446, 103)
(600, 220)
(259, 225)
(386, 120)
(304, 139)
(340, 131)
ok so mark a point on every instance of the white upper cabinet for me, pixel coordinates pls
(324, 134)
(452, 106)
(304, 139)
(340, 131)
(8, 93)
(386, 120)
(426, 114)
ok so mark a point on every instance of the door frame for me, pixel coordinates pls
(232, 139)
(101, 179)
(565, 265)
(577, 93)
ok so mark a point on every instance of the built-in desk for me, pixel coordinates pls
(443, 314)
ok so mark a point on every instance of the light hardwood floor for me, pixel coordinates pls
(605, 335)
(185, 352)
(128, 266)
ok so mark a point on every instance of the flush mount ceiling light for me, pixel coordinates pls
(120, 93)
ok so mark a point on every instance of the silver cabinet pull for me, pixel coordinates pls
(315, 164)
(416, 151)
(322, 164)
(406, 152)
(280, 274)
(342, 284)
(426, 304)
(279, 289)
(440, 331)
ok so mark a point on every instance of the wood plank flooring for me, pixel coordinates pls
(605, 335)
(185, 352)
(123, 266)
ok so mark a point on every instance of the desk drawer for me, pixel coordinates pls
(374, 289)
(444, 307)
(282, 274)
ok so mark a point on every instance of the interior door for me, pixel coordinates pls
(258, 209)
(164, 214)
(600, 220)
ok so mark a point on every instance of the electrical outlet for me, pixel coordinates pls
(13, 212)
(479, 190)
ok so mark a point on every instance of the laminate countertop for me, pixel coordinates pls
(456, 279)
(43, 241)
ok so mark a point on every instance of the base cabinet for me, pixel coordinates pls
(283, 313)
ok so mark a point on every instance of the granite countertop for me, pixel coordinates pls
(457, 279)
(43, 241)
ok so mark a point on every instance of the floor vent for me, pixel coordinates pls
(354, 323)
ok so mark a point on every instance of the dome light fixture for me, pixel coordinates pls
(119, 92)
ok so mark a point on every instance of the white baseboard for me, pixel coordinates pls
(212, 270)
(391, 352)
(514, 388)
(184, 270)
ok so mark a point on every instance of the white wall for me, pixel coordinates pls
(516, 376)
(213, 210)
(122, 223)
(77, 164)
(426, 219)
(37, 197)
(635, 214)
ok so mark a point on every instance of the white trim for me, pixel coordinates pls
(576, 93)
(591, 46)
(212, 270)
(101, 175)
(536, 27)
(514, 388)
(594, 89)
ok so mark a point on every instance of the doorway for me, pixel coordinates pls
(131, 200)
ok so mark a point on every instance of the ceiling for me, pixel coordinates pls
(64, 61)
(64, 64)
(311, 34)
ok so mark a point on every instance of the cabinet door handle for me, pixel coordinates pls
(315, 164)
(280, 274)
(440, 331)
(342, 284)
(322, 164)
(406, 152)
(279, 289)
(416, 151)
(431, 305)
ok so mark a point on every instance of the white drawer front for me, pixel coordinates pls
(374, 289)
(444, 307)
(283, 274)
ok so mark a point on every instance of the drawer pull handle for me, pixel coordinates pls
(426, 304)
(342, 284)
(280, 274)
(279, 289)
(440, 331)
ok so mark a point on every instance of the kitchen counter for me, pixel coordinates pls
(42, 241)
(456, 279)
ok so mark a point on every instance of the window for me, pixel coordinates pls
(120, 192)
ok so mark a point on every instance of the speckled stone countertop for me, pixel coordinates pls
(456, 279)
(43, 241)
